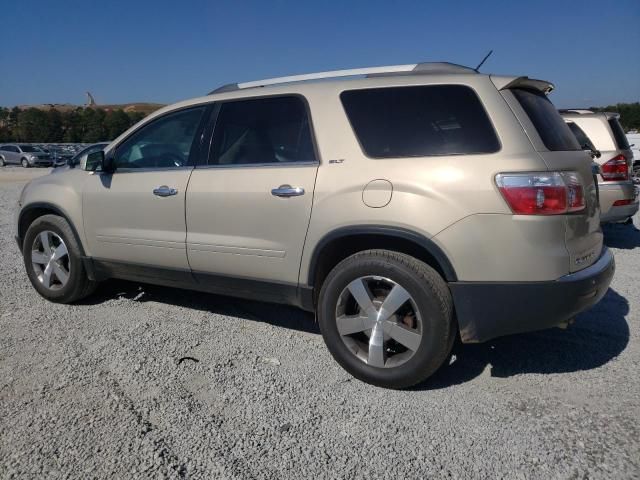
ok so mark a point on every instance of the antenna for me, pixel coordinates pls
(483, 60)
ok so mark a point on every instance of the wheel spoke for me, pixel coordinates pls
(39, 257)
(61, 274)
(404, 336)
(44, 239)
(46, 276)
(348, 324)
(376, 347)
(361, 294)
(395, 299)
(60, 251)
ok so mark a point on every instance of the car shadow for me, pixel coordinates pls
(621, 236)
(274, 314)
(597, 336)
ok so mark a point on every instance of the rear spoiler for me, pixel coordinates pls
(503, 83)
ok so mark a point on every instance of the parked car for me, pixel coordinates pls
(601, 132)
(25, 155)
(633, 137)
(384, 204)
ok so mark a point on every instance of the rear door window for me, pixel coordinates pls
(618, 134)
(553, 131)
(419, 121)
(273, 130)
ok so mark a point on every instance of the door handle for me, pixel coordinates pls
(164, 191)
(287, 191)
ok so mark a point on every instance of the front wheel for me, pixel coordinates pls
(53, 261)
(387, 318)
(25, 163)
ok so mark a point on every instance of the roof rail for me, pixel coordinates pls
(580, 111)
(425, 67)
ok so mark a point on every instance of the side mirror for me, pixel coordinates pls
(97, 161)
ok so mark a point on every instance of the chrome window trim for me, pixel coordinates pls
(261, 165)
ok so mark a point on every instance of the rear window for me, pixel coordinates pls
(618, 133)
(582, 138)
(419, 121)
(553, 131)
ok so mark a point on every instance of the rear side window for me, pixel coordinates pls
(618, 134)
(262, 130)
(582, 138)
(553, 131)
(419, 121)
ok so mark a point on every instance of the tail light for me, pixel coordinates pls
(615, 169)
(620, 203)
(548, 193)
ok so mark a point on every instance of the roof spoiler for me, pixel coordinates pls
(503, 83)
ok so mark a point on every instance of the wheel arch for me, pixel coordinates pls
(343, 242)
(33, 211)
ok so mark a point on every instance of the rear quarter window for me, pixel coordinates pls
(419, 121)
(618, 134)
(553, 131)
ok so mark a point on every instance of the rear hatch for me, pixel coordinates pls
(561, 152)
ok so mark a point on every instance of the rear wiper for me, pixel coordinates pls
(593, 152)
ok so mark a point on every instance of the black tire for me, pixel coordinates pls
(25, 163)
(431, 296)
(2, 163)
(78, 285)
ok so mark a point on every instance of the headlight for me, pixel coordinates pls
(33, 157)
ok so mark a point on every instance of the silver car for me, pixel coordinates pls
(25, 155)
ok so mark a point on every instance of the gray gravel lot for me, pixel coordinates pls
(97, 390)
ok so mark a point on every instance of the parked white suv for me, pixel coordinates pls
(603, 133)
(405, 207)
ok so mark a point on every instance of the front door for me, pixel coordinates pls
(136, 215)
(248, 209)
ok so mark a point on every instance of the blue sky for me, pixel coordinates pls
(164, 51)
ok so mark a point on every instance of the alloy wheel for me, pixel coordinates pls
(50, 260)
(379, 321)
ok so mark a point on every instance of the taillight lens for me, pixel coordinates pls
(615, 169)
(552, 193)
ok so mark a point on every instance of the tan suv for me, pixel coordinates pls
(405, 206)
(602, 132)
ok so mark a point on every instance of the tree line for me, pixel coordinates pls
(94, 124)
(629, 114)
(78, 125)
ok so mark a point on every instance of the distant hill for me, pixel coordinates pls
(142, 107)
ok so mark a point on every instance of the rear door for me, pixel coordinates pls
(558, 147)
(12, 154)
(248, 208)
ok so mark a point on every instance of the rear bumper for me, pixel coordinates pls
(612, 192)
(486, 310)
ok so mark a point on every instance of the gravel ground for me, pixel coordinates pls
(98, 390)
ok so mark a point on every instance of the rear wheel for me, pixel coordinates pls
(53, 261)
(386, 318)
(2, 163)
(25, 163)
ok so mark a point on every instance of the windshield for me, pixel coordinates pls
(29, 148)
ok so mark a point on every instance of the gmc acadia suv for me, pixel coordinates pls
(405, 206)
